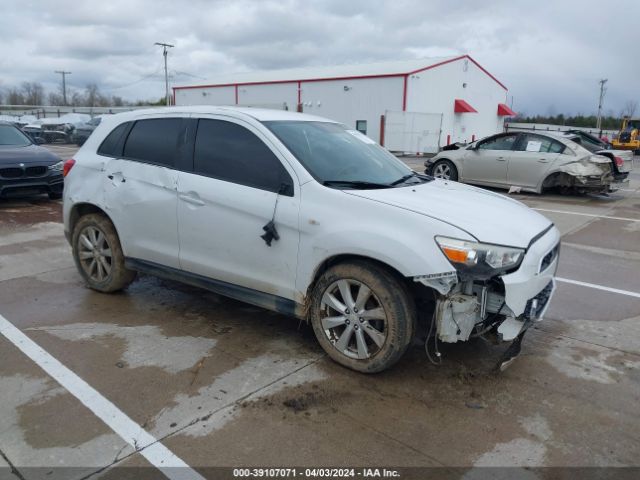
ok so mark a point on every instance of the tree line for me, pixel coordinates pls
(609, 121)
(33, 93)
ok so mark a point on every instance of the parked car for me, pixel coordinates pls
(50, 132)
(620, 161)
(528, 161)
(25, 167)
(82, 131)
(588, 141)
(303, 216)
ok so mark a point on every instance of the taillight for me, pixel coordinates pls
(67, 167)
(619, 161)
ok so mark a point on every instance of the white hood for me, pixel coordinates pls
(488, 216)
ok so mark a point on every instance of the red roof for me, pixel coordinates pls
(505, 111)
(460, 106)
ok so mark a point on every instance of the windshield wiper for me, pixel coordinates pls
(355, 184)
(424, 178)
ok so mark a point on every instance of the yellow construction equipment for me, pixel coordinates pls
(629, 136)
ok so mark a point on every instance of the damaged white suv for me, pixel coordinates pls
(304, 216)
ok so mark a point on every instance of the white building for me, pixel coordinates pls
(408, 106)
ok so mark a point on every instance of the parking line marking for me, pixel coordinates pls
(142, 441)
(599, 287)
(588, 215)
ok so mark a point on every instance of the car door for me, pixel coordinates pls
(533, 156)
(487, 162)
(140, 188)
(228, 198)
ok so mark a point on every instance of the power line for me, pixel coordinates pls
(165, 47)
(64, 85)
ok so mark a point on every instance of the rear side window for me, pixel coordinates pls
(230, 152)
(154, 141)
(538, 143)
(112, 145)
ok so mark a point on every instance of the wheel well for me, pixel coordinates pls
(558, 179)
(422, 295)
(344, 258)
(80, 210)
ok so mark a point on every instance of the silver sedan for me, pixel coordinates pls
(524, 161)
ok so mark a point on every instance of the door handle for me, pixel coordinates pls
(501, 159)
(542, 160)
(193, 200)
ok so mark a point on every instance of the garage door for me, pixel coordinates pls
(412, 132)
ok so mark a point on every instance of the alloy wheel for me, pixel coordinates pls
(353, 319)
(442, 170)
(94, 253)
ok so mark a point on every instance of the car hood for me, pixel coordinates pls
(28, 155)
(487, 216)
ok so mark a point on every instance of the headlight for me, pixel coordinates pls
(57, 166)
(480, 260)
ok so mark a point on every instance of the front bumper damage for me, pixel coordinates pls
(504, 306)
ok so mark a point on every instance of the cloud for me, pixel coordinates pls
(550, 55)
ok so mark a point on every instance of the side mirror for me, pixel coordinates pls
(40, 141)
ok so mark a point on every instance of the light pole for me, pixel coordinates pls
(603, 90)
(165, 47)
(64, 85)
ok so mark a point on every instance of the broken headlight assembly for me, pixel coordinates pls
(479, 261)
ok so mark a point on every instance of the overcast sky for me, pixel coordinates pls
(550, 54)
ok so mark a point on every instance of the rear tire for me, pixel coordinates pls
(445, 169)
(98, 254)
(363, 316)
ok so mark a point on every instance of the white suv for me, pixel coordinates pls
(304, 216)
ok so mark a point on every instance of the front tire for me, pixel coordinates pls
(98, 254)
(445, 169)
(363, 316)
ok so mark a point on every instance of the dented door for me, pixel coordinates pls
(141, 200)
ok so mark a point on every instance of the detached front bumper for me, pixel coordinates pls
(535, 274)
(506, 304)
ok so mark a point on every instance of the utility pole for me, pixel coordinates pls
(165, 47)
(603, 90)
(64, 85)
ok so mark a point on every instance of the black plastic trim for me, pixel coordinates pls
(244, 294)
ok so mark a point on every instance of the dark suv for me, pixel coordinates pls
(26, 168)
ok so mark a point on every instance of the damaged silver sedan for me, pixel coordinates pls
(531, 162)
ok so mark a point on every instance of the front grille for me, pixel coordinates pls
(11, 172)
(35, 171)
(535, 306)
(549, 258)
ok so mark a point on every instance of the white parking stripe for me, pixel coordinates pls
(132, 433)
(587, 215)
(599, 287)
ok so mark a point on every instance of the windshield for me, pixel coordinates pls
(337, 156)
(10, 135)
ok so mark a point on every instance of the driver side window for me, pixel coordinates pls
(504, 142)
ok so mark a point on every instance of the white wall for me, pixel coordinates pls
(430, 91)
(435, 90)
(206, 96)
(269, 94)
(366, 99)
